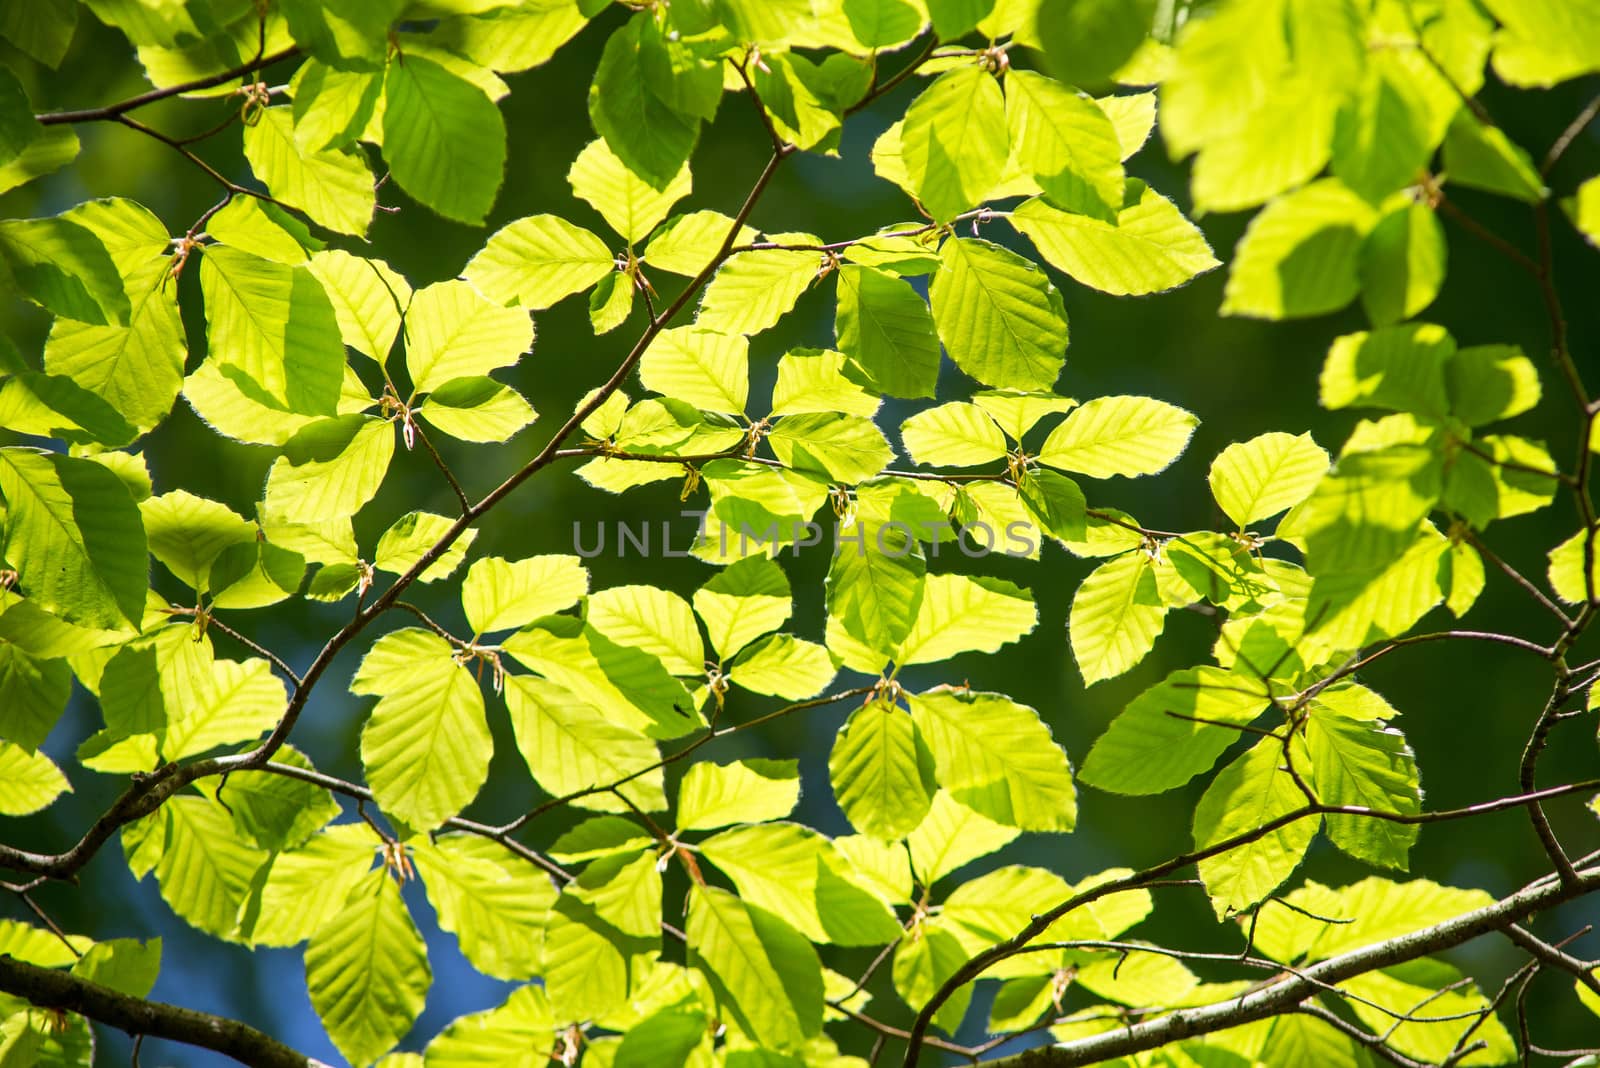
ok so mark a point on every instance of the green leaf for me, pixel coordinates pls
(1402, 264)
(625, 892)
(705, 368)
(653, 134)
(1461, 576)
(1151, 247)
(570, 747)
(751, 291)
(1483, 157)
(331, 469)
(629, 204)
(126, 965)
(74, 536)
(1301, 255)
(1087, 41)
(515, 39)
(29, 780)
(1056, 503)
(956, 434)
(367, 971)
(587, 960)
(368, 299)
(952, 18)
(272, 331)
(1392, 993)
(344, 35)
(966, 614)
(886, 328)
(1173, 731)
(334, 188)
(1066, 143)
(52, 406)
(688, 243)
(245, 224)
(502, 594)
(205, 870)
(923, 961)
(452, 331)
(1542, 42)
(762, 972)
(535, 261)
(745, 791)
(783, 666)
(954, 141)
(998, 315)
(42, 30)
(232, 701)
(254, 575)
(1256, 479)
(950, 836)
(274, 811)
(1350, 608)
(33, 694)
(1116, 616)
(1249, 793)
(1111, 436)
(138, 368)
(332, 106)
(477, 408)
(657, 621)
(187, 533)
(1381, 137)
(39, 946)
(518, 1033)
(998, 758)
(301, 891)
(444, 139)
(425, 745)
(1017, 412)
(843, 448)
(743, 602)
(1490, 382)
(875, 584)
(882, 23)
(626, 684)
(413, 534)
(1399, 367)
(493, 903)
(882, 772)
(50, 151)
(1566, 569)
(63, 267)
(1370, 766)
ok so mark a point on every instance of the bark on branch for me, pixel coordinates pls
(1290, 991)
(52, 989)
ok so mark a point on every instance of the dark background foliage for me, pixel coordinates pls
(1467, 708)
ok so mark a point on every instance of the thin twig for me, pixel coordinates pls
(1569, 135)
(111, 112)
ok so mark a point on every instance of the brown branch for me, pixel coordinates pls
(1569, 135)
(1554, 956)
(1286, 994)
(149, 791)
(62, 991)
(978, 964)
(113, 112)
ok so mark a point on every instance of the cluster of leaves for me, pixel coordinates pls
(1328, 116)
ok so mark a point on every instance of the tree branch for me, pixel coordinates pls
(112, 112)
(1288, 993)
(52, 989)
